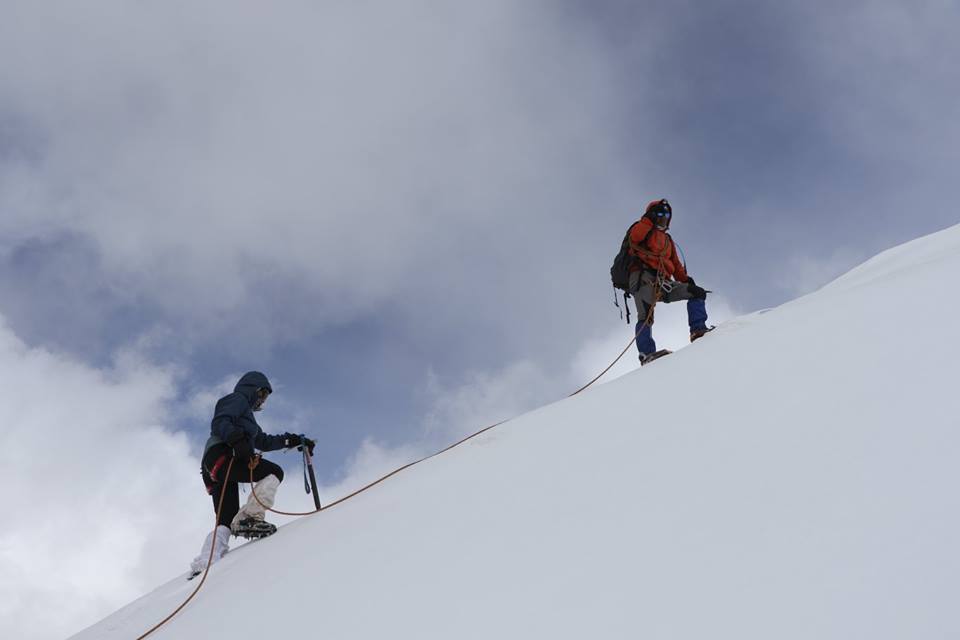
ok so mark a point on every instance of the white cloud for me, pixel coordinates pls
(370, 462)
(200, 403)
(212, 153)
(455, 410)
(482, 398)
(103, 500)
(805, 273)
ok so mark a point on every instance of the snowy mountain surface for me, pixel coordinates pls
(792, 475)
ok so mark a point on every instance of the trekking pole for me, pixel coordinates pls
(308, 465)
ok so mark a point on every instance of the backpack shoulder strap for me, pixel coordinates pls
(644, 239)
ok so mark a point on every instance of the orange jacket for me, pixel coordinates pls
(655, 250)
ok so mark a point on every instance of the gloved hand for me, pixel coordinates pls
(293, 440)
(241, 446)
(309, 444)
(695, 291)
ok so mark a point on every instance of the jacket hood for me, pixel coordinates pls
(250, 382)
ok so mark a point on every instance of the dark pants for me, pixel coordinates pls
(239, 473)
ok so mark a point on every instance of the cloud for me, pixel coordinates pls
(265, 173)
(199, 405)
(804, 273)
(454, 410)
(877, 60)
(104, 500)
(370, 462)
(482, 398)
(328, 156)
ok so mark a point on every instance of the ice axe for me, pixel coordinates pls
(308, 472)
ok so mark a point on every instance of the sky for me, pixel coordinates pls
(405, 216)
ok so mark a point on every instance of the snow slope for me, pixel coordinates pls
(793, 475)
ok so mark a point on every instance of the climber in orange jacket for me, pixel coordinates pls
(656, 265)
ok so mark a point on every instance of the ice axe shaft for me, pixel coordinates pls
(308, 459)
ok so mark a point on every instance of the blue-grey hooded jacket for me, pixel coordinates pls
(233, 416)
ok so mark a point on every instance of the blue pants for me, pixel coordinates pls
(642, 284)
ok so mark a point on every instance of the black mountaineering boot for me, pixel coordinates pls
(647, 358)
(252, 528)
(696, 334)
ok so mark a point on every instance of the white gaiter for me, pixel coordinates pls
(266, 491)
(221, 538)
